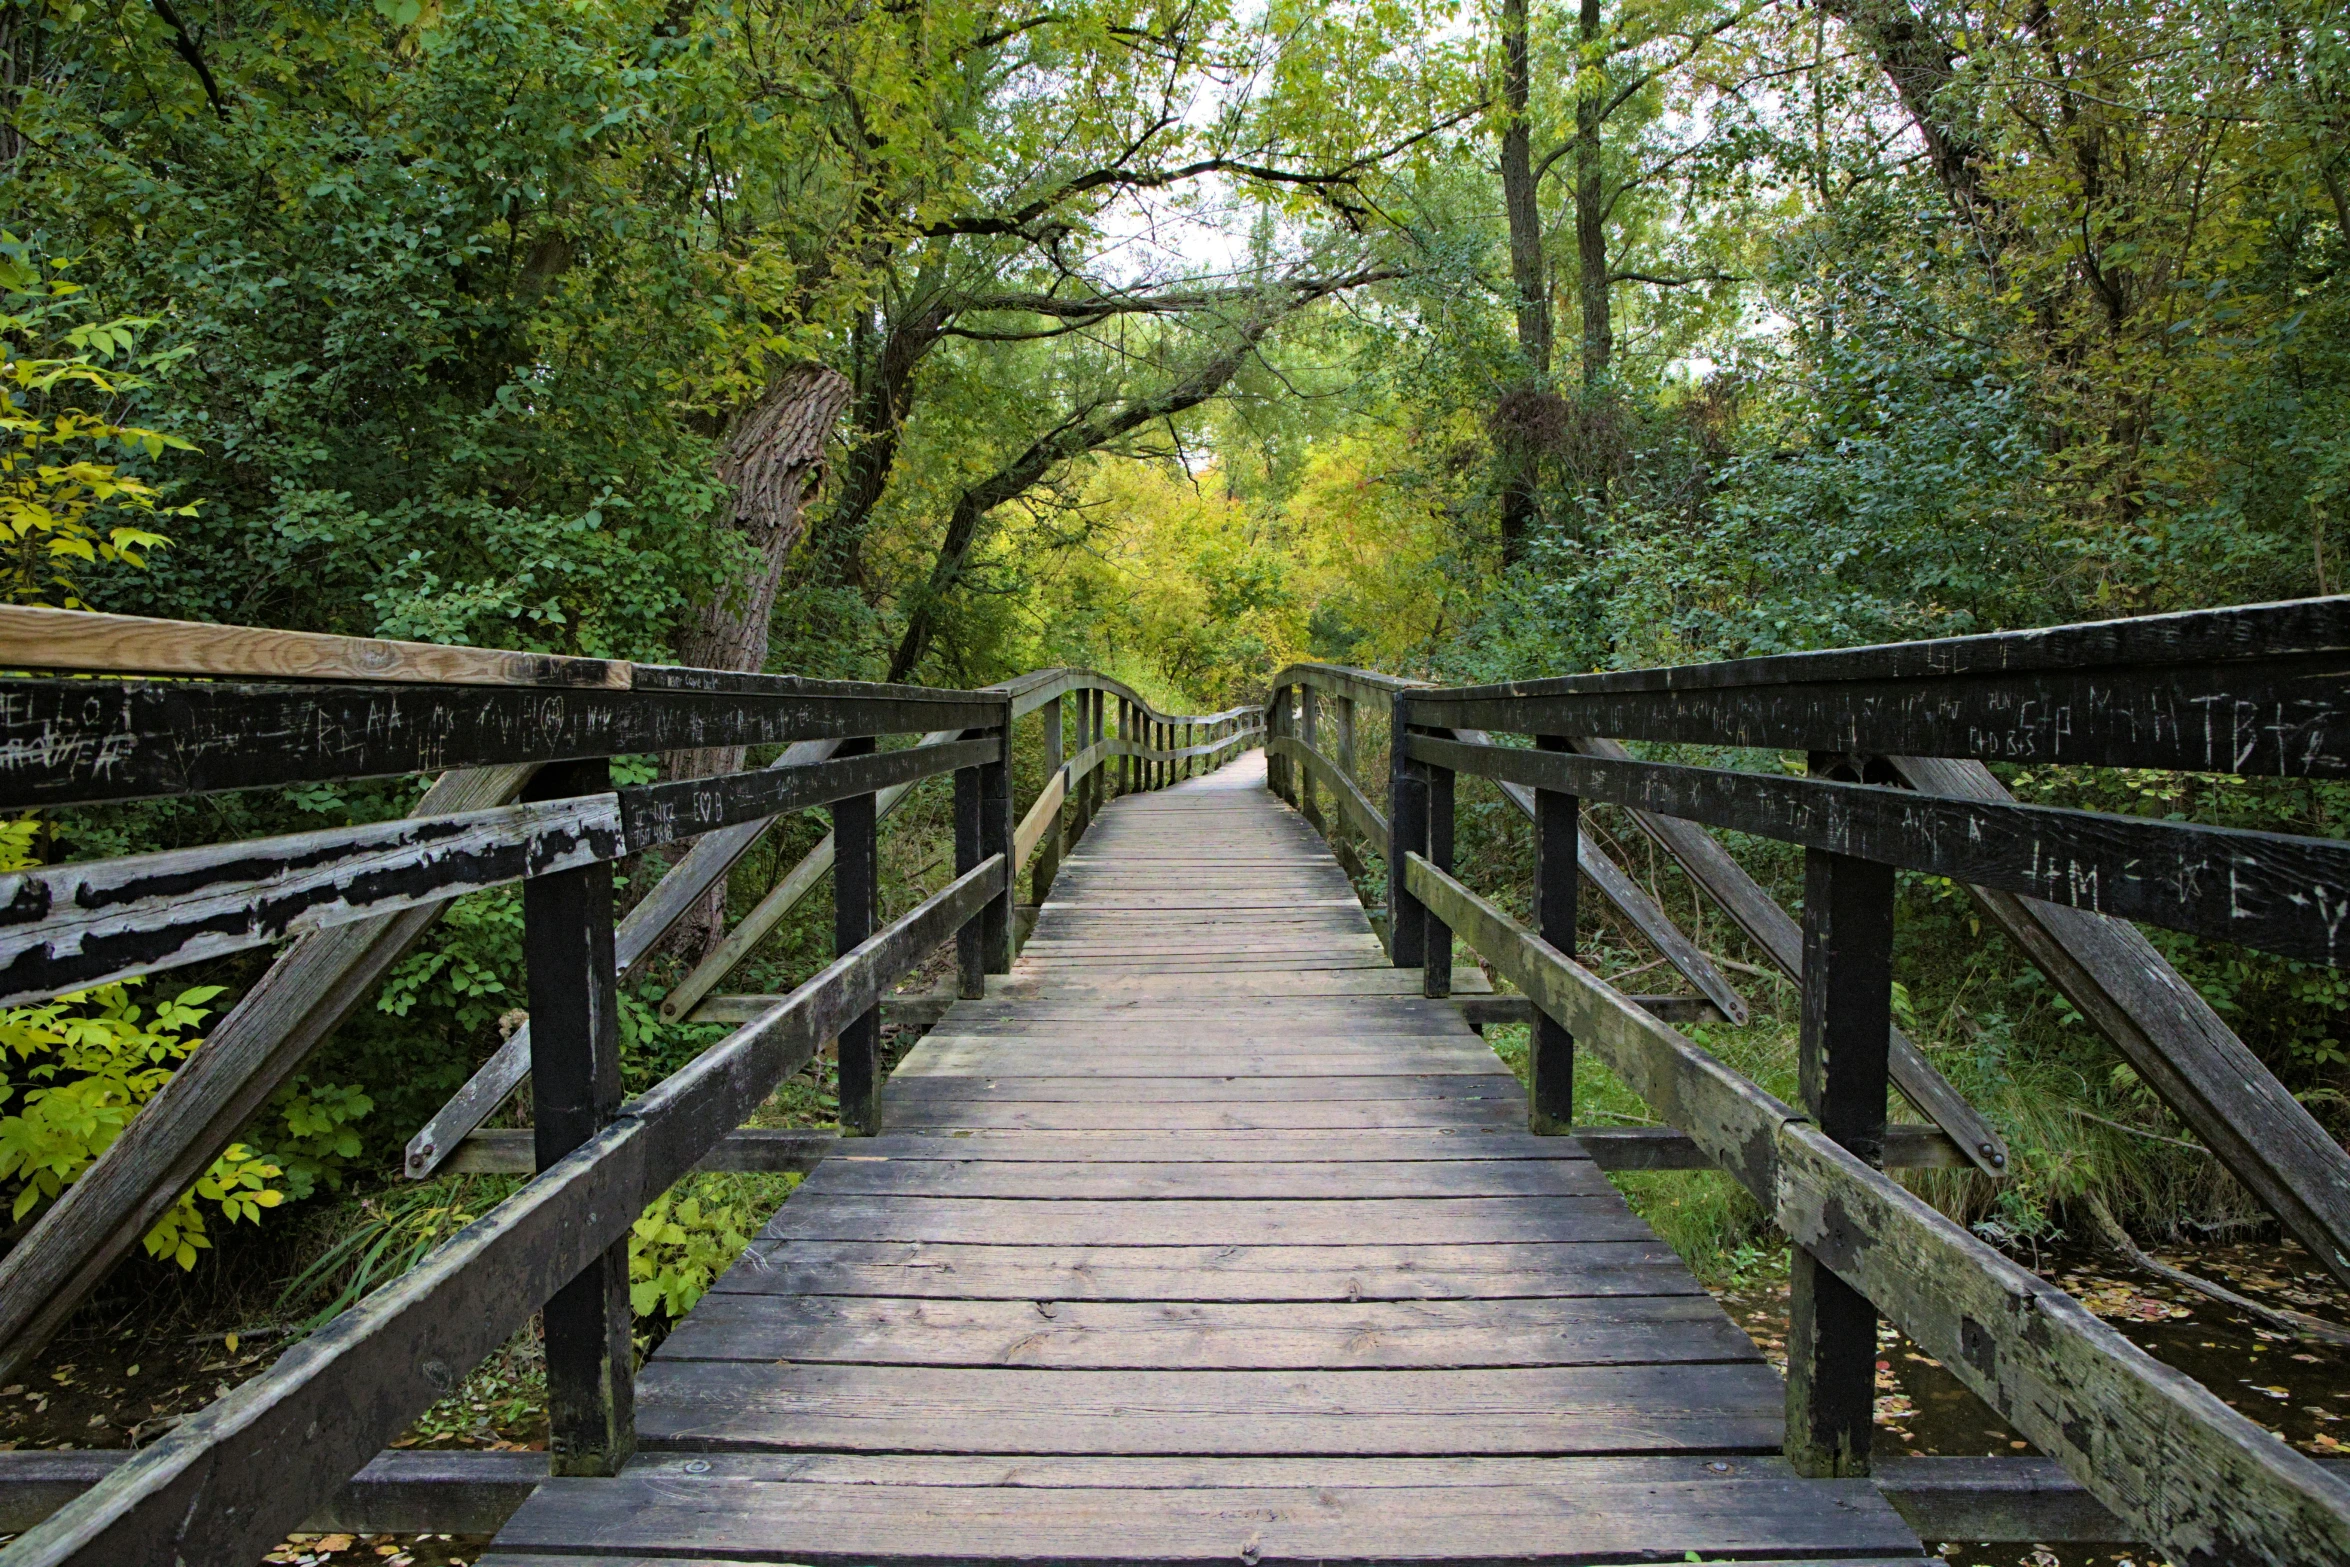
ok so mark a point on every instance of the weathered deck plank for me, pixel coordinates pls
(1206, 1237)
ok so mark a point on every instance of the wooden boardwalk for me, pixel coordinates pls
(1206, 1239)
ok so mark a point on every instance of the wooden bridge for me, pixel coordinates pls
(1205, 1238)
(1201, 1225)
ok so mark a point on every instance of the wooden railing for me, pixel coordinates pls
(2263, 691)
(1114, 724)
(523, 744)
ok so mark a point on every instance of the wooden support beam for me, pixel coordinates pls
(770, 911)
(1048, 840)
(1309, 736)
(1593, 861)
(68, 927)
(507, 1150)
(2174, 1041)
(663, 813)
(175, 1137)
(1407, 834)
(1037, 828)
(399, 1492)
(1481, 1012)
(1436, 964)
(711, 857)
(2181, 1469)
(997, 832)
(1633, 903)
(1775, 932)
(969, 945)
(922, 1011)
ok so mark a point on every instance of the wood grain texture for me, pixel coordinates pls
(678, 892)
(228, 1483)
(68, 927)
(720, 1406)
(1774, 931)
(69, 741)
(2282, 894)
(2190, 1475)
(1183, 1185)
(2256, 690)
(35, 638)
(1577, 1519)
(2175, 1042)
(178, 1133)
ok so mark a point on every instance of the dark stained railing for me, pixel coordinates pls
(2263, 690)
(145, 709)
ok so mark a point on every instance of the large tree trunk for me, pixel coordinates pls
(773, 461)
(20, 63)
(1599, 338)
(1518, 423)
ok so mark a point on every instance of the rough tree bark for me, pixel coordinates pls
(1599, 338)
(1532, 278)
(773, 461)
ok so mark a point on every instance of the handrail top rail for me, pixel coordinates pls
(1032, 690)
(35, 637)
(1345, 680)
(2205, 636)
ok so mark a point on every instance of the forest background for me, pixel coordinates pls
(944, 339)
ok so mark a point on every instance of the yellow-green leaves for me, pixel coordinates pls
(61, 500)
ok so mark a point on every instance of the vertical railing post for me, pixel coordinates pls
(1847, 1012)
(1279, 769)
(575, 1092)
(1342, 754)
(856, 893)
(970, 949)
(1436, 972)
(1308, 712)
(1551, 1056)
(1407, 833)
(1048, 849)
(1080, 795)
(996, 829)
(1097, 706)
(1125, 737)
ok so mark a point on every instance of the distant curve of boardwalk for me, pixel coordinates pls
(1206, 1239)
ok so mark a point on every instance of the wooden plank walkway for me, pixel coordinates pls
(1205, 1239)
